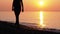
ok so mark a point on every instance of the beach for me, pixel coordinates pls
(11, 28)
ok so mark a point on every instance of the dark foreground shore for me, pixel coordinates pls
(11, 28)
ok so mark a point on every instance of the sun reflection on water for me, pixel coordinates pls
(41, 23)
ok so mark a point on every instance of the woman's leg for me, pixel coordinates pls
(17, 17)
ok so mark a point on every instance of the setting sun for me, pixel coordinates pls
(41, 2)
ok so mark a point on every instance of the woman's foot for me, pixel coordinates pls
(17, 24)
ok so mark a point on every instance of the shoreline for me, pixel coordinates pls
(7, 27)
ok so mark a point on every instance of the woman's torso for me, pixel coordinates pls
(17, 4)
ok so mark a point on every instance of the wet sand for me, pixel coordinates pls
(11, 28)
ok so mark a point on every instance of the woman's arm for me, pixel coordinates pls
(22, 6)
(13, 5)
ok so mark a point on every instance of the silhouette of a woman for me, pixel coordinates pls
(17, 8)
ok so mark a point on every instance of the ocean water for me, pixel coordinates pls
(32, 18)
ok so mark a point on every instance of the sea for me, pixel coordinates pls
(51, 19)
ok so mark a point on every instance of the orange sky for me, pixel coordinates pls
(32, 5)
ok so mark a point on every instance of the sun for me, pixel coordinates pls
(41, 3)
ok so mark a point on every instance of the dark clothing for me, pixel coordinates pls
(17, 5)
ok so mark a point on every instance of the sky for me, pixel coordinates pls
(32, 5)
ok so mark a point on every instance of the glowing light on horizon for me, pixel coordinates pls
(41, 3)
